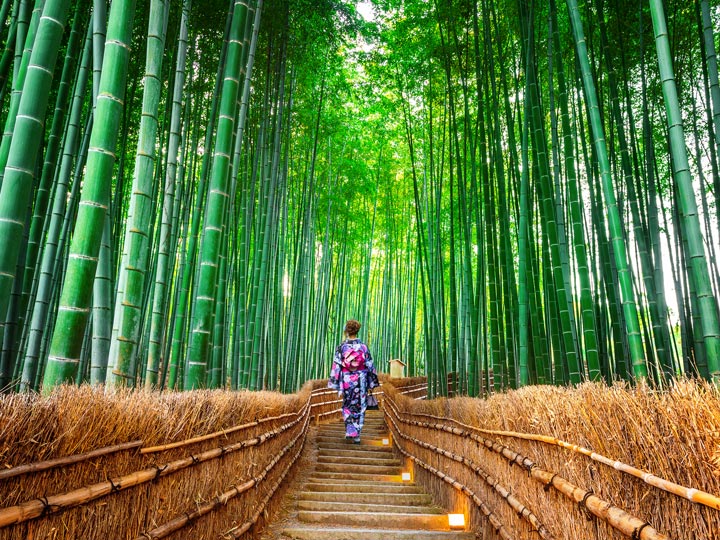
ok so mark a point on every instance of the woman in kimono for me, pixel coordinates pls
(352, 375)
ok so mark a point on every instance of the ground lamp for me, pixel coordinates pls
(456, 521)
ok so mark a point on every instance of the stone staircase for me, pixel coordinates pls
(356, 492)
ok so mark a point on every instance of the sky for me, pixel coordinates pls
(365, 9)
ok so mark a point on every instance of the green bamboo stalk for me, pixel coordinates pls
(217, 200)
(699, 275)
(95, 198)
(129, 308)
(162, 268)
(45, 273)
(18, 181)
(637, 354)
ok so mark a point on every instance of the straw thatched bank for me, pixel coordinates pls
(569, 463)
(201, 464)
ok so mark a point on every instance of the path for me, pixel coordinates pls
(355, 492)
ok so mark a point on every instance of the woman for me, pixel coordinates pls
(352, 375)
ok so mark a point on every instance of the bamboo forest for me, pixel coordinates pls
(359, 269)
(504, 192)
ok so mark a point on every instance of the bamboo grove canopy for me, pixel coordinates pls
(508, 192)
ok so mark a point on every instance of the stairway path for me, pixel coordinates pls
(349, 491)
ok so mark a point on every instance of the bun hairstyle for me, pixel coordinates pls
(352, 327)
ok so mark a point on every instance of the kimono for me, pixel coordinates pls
(353, 374)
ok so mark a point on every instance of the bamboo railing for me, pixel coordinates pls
(48, 464)
(414, 437)
(250, 461)
(225, 480)
(695, 495)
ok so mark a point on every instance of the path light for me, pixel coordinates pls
(406, 476)
(456, 521)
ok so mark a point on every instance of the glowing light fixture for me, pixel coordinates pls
(456, 521)
(406, 476)
(386, 442)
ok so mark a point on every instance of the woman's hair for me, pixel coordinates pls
(352, 327)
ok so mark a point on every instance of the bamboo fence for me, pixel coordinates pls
(86, 463)
(506, 461)
(589, 462)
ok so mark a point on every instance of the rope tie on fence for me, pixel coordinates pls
(47, 507)
(159, 470)
(638, 530)
(549, 483)
(583, 504)
(114, 488)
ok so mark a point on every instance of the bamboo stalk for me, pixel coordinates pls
(626, 523)
(322, 392)
(330, 412)
(39, 466)
(326, 403)
(188, 517)
(54, 503)
(692, 494)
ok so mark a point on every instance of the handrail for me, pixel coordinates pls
(237, 532)
(47, 505)
(518, 507)
(48, 464)
(616, 517)
(181, 521)
(691, 494)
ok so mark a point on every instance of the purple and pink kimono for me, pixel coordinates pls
(353, 372)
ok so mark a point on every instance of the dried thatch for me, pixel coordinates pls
(501, 460)
(674, 435)
(75, 420)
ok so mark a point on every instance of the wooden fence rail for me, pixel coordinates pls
(627, 524)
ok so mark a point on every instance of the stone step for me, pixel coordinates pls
(357, 477)
(372, 422)
(352, 469)
(378, 426)
(343, 486)
(435, 522)
(340, 432)
(412, 499)
(371, 459)
(345, 450)
(360, 504)
(328, 441)
(339, 435)
(369, 420)
(326, 533)
(340, 456)
(356, 492)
